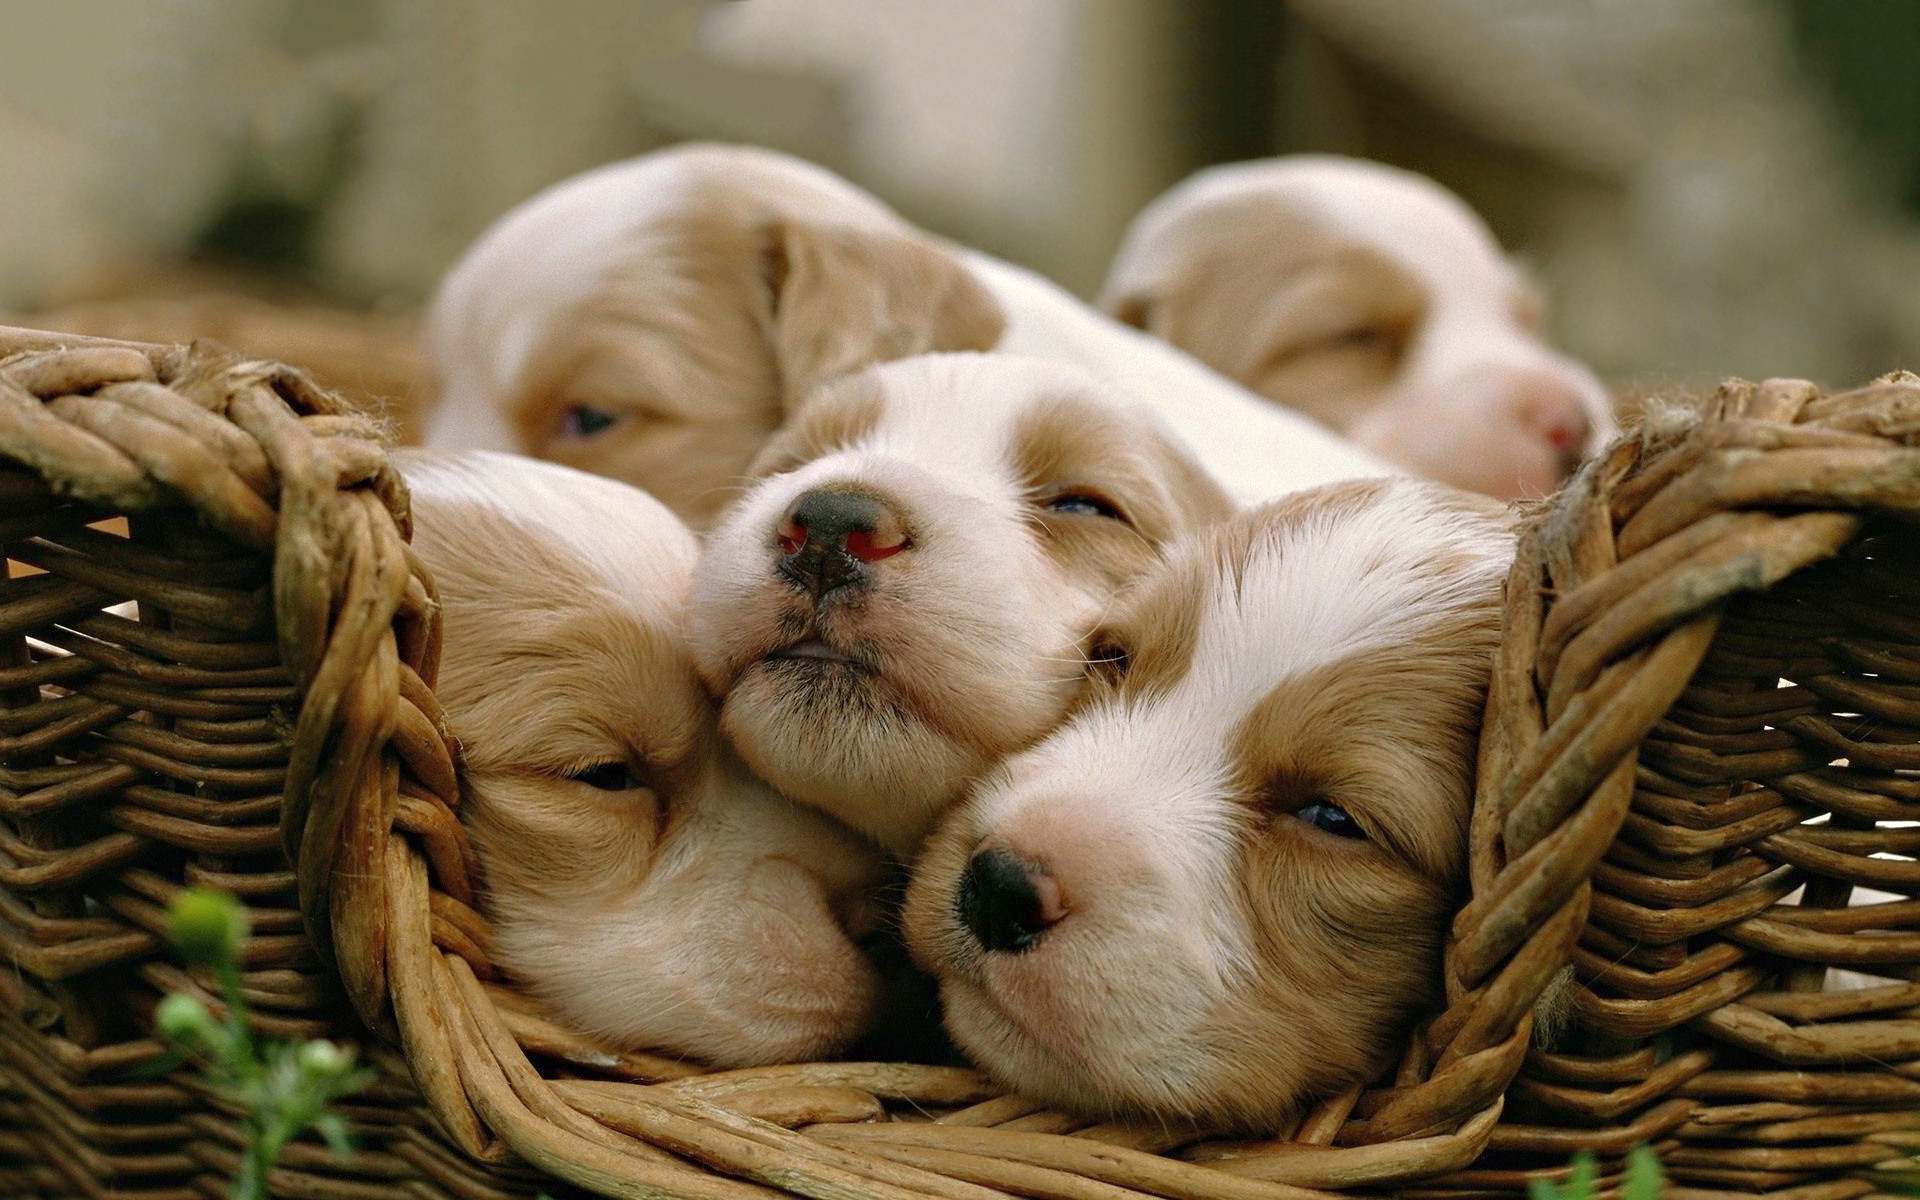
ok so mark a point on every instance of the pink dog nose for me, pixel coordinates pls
(1553, 410)
(1006, 902)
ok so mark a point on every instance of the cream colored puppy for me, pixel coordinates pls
(1372, 300)
(640, 882)
(656, 320)
(905, 595)
(1219, 890)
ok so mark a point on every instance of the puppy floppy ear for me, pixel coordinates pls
(843, 298)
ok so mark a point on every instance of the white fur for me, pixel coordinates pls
(1255, 450)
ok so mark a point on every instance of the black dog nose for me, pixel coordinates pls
(1007, 904)
(831, 535)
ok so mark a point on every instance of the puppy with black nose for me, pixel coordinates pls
(1218, 891)
(904, 596)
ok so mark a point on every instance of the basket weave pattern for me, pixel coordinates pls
(1700, 743)
(268, 725)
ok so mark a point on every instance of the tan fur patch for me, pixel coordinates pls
(849, 297)
(1315, 322)
(836, 417)
(1069, 445)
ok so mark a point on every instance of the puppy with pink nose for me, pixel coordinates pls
(1218, 891)
(1373, 300)
(904, 596)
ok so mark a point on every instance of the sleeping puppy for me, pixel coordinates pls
(656, 320)
(640, 882)
(1219, 890)
(1372, 300)
(904, 597)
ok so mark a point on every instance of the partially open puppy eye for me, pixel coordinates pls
(608, 777)
(1107, 659)
(1331, 818)
(1085, 504)
(584, 420)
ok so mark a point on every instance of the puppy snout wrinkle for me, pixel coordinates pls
(831, 536)
(1006, 903)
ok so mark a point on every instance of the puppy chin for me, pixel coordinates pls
(1046, 1030)
(831, 735)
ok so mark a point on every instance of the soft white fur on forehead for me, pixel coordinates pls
(605, 530)
(961, 412)
(1336, 582)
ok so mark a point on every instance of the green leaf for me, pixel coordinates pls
(333, 1129)
(1579, 1184)
(1644, 1179)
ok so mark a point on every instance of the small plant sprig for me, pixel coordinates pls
(1642, 1181)
(282, 1087)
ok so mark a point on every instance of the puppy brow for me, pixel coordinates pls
(833, 418)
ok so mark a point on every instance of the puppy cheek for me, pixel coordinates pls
(933, 933)
(728, 611)
(1352, 953)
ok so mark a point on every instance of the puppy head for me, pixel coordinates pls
(1373, 300)
(904, 596)
(1219, 889)
(653, 320)
(640, 882)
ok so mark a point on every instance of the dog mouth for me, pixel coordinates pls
(813, 651)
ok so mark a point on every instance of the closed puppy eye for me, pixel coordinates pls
(608, 777)
(1085, 504)
(1363, 337)
(1107, 660)
(1387, 341)
(584, 420)
(1330, 818)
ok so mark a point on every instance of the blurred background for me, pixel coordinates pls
(1705, 187)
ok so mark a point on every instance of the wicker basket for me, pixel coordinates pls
(369, 358)
(273, 705)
